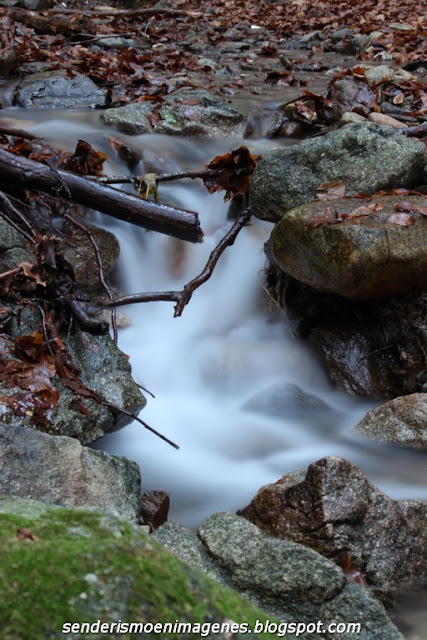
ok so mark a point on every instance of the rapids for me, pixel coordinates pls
(220, 372)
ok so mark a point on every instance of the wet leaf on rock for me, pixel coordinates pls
(231, 172)
(331, 191)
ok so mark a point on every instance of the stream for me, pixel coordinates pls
(245, 401)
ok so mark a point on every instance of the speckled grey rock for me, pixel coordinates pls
(290, 580)
(337, 512)
(185, 544)
(188, 112)
(82, 256)
(361, 257)
(58, 470)
(57, 90)
(365, 156)
(13, 247)
(402, 420)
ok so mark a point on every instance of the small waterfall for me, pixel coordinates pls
(245, 401)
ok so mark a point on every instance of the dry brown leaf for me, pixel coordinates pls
(402, 219)
(331, 191)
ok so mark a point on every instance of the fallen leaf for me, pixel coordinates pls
(331, 191)
(326, 216)
(402, 219)
(410, 208)
(26, 534)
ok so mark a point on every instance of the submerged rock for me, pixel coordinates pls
(57, 90)
(58, 470)
(188, 112)
(401, 421)
(366, 157)
(357, 249)
(336, 511)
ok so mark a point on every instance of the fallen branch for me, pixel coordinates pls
(19, 133)
(22, 172)
(125, 12)
(182, 298)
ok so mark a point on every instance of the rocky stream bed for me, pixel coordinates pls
(339, 179)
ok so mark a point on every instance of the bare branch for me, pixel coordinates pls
(182, 298)
(20, 171)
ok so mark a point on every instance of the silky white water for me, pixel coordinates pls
(228, 378)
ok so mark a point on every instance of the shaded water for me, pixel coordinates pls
(245, 401)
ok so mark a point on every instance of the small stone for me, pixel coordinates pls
(382, 118)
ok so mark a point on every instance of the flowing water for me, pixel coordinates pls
(245, 400)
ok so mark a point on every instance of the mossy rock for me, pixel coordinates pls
(62, 566)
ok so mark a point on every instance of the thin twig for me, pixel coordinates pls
(182, 298)
(161, 177)
(144, 424)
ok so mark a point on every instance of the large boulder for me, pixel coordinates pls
(373, 348)
(287, 579)
(365, 157)
(188, 112)
(57, 90)
(357, 249)
(58, 470)
(402, 421)
(61, 567)
(338, 512)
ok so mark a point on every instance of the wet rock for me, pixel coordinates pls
(366, 157)
(106, 370)
(370, 254)
(82, 255)
(189, 112)
(154, 508)
(337, 511)
(402, 420)
(371, 348)
(101, 366)
(58, 470)
(13, 247)
(382, 73)
(8, 61)
(57, 90)
(293, 582)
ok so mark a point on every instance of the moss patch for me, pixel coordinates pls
(76, 566)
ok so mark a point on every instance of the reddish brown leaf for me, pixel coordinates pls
(326, 216)
(231, 172)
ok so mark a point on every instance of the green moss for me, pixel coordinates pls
(84, 566)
